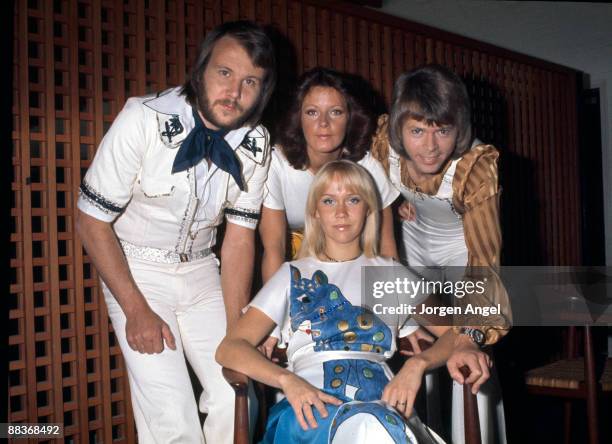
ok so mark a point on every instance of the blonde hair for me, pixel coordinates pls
(355, 178)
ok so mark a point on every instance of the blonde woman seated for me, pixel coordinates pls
(337, 385)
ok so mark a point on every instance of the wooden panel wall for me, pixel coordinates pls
(75, 63)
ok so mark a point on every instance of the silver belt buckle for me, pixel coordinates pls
(183, 257)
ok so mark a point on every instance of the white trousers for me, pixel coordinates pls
(187, 296)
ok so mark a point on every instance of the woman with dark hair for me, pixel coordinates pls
(451, 214)
(325, 122)
(338, 388)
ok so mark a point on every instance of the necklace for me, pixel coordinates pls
(331, 259)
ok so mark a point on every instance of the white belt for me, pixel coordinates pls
(306, 360)
(160, 255)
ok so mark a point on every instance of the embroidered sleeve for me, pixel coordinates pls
(89, 197)
(246, 210)
(243, 214)
(107, 185)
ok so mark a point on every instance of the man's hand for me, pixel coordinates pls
(467, 353)
(146, 332)
(418, 335)
(267, 347)
(407, 211)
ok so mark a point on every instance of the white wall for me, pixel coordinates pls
(577, 35)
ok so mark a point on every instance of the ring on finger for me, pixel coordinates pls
(401, 403)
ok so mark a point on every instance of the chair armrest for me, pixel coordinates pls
(471, 421)
(238, 381)
(240, 384)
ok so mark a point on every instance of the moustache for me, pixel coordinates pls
(228, 102)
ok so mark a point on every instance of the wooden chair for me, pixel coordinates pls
(574, 378)
(239, 383)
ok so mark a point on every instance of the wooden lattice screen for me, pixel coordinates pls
(75, 63)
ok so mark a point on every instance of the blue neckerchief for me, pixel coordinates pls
(204, 143)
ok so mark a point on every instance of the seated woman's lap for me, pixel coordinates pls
(353, 422)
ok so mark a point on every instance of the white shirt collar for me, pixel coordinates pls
(172, 103)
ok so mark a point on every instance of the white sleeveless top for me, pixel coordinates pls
(436, 237)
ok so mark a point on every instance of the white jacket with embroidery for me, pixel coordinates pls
(130, 180)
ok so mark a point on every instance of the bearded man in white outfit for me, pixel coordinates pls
(170, 169)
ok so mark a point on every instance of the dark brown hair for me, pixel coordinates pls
(359, 128)
(436, 95)
(257, 45)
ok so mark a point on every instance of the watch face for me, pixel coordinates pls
(478, 337)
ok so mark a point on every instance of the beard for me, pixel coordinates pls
(206, 108)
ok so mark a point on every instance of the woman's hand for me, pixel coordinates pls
(303, 396)
(267, 347)
(407, 211)
(466, 353)
(418, 335)
(403, 388)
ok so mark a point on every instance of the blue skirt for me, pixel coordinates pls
(351, 422)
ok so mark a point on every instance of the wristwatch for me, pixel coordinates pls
(477, 336)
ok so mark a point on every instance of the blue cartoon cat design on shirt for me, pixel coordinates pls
(335, 323)
(319, 309)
